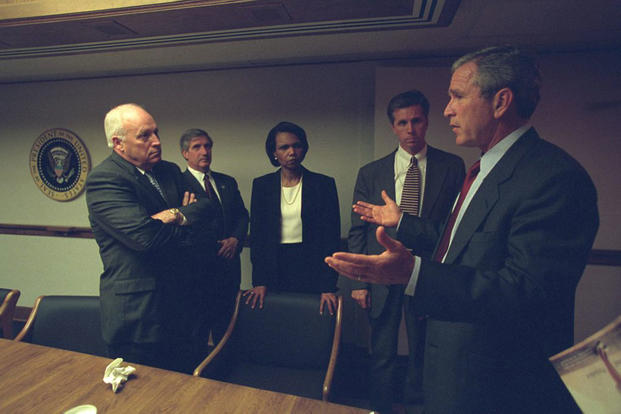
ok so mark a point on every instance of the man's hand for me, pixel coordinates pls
(228, 247)
(362, 297)
(254, 294)
(173, 215)
(387, 215)
(170, 216)
(188, 198)
(392, 267)
(329, 300)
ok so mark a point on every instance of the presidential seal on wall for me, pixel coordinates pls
(59, 163)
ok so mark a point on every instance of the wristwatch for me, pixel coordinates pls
(179, 217)
(175, 212)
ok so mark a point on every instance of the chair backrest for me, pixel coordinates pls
(8, 302)
(67, 322)
(287, 346)
(287, 332)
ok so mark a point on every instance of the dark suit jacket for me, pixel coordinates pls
(145, 262)
(443, 180)
(321, 228)
(503, 301)
(234, 219)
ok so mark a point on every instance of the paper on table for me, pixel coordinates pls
(82, 409)
(115, 374)
(591, 370)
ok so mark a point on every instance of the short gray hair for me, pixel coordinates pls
(189, 135)
(113, 122)
(506, 67)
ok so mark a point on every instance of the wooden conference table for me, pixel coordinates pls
(39, 379)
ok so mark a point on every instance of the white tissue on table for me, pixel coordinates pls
(115, 374)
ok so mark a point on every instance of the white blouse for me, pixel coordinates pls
(291, 213)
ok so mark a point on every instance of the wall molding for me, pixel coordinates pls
(50, 231)
(602, 257)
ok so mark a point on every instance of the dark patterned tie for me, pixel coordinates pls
(446, 237)
(209, 188)
(410, 196)
(154, 182)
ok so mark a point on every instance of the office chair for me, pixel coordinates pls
(8, 302)
(66, 322)
(286, 347)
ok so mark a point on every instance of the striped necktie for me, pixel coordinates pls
(410, 196)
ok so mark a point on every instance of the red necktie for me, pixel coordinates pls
(446, 237)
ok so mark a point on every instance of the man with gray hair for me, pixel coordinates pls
(150, 235)
(498, 291)
(220, 286)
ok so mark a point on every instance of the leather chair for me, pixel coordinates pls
(8, 302)
(286, 347)
(66, 322)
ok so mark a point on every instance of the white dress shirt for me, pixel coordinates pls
(200, 176)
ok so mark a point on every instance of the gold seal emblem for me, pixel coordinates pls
(59, 164)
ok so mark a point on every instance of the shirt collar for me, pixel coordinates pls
(405, 157)
(200, 176)
(491, 157)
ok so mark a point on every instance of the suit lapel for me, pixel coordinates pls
(222, 203)
(194, 186)
(477, 210)
(222, 190)
(142, 182)
(273, 194)
(169, 187)
(487, 194)
(308, 193)
(434, 178)
(386, 177)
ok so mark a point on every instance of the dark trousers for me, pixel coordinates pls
(221, 310)
(218, 301)
(383, 376)
(170, 356)
(214, 310)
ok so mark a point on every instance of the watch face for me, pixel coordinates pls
(59, 164)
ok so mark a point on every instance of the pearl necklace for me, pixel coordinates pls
(295, 194)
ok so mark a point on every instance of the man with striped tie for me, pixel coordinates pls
(424, 181)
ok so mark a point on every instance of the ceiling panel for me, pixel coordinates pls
(175, 18)
(229, 34)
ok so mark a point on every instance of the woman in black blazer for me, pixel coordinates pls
(294, 223)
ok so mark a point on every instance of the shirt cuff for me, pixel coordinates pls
(411, 286)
